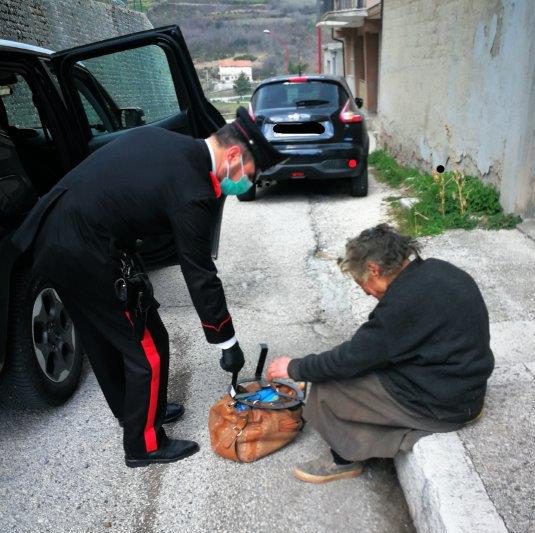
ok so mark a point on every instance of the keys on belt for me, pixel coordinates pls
(134, 290)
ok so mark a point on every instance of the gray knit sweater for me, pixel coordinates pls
(427, 339)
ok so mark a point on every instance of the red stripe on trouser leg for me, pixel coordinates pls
(153, 357)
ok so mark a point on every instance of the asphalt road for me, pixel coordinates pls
(63, 471)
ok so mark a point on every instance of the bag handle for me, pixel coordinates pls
(261, 361)
(258, 372)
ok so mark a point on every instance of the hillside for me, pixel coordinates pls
(229, 28)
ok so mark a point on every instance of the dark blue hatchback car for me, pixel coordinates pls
(316, 122)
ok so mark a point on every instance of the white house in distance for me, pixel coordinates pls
(230, 70)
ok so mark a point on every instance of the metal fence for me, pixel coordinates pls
(349, 4)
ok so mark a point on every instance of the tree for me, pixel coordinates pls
(242, 85)
(269, 67)
(249, 57)
(297, 68)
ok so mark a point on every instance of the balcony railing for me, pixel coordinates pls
(339, 5)
(327, 6)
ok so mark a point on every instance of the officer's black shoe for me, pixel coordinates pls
(170, 451)
(172, 414)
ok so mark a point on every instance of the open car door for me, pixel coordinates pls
(127, 82)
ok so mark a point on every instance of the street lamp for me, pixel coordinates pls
(284, 43)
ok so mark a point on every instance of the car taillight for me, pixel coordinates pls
(352, 163)
(348, 116)
(298, 79)
(251, 112)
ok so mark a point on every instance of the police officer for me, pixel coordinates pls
(83, 235)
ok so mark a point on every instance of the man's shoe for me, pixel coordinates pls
(476, 418)
(170, 451)
(174, 412)
(325, 469)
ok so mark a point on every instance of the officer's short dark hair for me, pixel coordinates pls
(381, 244)
(227, 137)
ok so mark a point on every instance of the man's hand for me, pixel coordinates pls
(278, 368)
(232, 359)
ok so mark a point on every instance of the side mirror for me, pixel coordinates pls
(132, 117)
(359, 102)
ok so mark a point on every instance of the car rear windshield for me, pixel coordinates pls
(297, 95)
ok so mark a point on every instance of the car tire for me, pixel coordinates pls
(44, 358)
(249, 196)
(359, 185)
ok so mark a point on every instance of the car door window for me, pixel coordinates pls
(137, 87)
(102, 115)
(20, 108)
(96, 122)
(293, 95)
(23, 120)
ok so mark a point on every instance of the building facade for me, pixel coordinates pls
(357, 25)
(452, 83)
(230, 70)
(333, 59)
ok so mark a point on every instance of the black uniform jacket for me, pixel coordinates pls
(148, 182)
(427, 339)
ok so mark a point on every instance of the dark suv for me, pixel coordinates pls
(315, 121)
(56, 108)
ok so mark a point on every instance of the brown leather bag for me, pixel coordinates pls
(251, 434)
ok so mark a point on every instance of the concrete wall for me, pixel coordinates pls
(458, 88)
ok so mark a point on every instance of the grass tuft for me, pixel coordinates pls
(444, 201)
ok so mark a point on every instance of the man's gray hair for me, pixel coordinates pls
(381, 244)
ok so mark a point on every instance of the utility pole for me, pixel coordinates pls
(284, 43)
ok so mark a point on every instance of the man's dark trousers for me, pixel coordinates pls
(132, 374)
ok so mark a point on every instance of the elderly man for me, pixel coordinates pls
(419, 365)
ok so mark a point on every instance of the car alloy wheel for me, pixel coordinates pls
(44, 354)
(53, 334)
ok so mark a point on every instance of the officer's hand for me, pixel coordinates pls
(232, 359)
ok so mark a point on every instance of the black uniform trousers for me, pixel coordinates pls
(132, 374)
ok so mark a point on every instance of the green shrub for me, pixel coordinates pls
(444, 201)
(482, 198)
(393, 173)
(249, 57)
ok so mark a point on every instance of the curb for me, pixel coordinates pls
(527, 227)
(444, 492)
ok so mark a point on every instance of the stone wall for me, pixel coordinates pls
(134, 78)
(59, 24)
(457, 87)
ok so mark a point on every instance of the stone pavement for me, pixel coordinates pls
(481, 479)
(62, 470)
